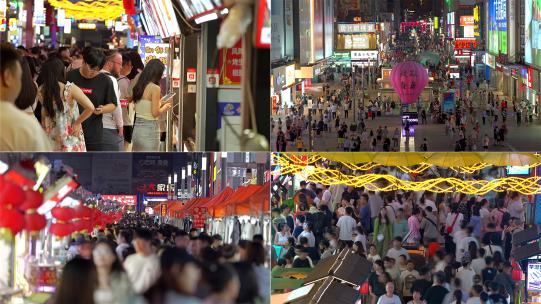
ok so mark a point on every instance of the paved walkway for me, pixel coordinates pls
(518, 138)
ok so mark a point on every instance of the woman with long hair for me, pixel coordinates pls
(26, 100)
(148, 107)
(114, 286)
(383, 232)
(59, 111)
(77, 284)
(179, 279)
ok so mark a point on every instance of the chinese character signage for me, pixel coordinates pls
(466, 20)
(461, 44)
(122, 199)
(163, 210)
(356, 28)
(199, 215)
(231, 65)
(530, 78)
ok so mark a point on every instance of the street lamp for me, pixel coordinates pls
(174, 188)
(224, 171)
(183, 186)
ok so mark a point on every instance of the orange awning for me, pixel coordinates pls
(217, 199)
(241, 195)
(196, 202)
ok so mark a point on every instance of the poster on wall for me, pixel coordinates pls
(532, 32)
(230, 64)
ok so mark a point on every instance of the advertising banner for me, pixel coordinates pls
(532, 32)
(122, 199)
(227, 109)
(199, 215)
(305, 32)
(356, 27)
(497, 26)
(230, 64)
(277, 33)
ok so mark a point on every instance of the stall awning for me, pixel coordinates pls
(241, 196)
(257, 204)
(217, 199)
(194, 202)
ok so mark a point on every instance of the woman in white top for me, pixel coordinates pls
(148, 107)
(282, 236)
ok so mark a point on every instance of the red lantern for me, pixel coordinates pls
(34, 222)
(33, 200)
(61, 229)
(77, 226)
(63, 214)
(84, 212)
(11, 195)
(11, 219)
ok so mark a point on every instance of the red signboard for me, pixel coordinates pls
(230, 63)
(466, 20)
(199, 215)
(465, 44)
(122, 199)
(530, 78)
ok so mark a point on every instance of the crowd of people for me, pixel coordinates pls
(426, 247)
(86, 99)
(140, 261)
(478, 119)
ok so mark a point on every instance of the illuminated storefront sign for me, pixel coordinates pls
(86, 26)
(476, 21)
(356, 27)
(530, 78)
(465, 44)
(466, 20)
(290, 75)
(364, 55)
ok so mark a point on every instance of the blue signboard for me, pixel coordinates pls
(143, 40)
(227, 109)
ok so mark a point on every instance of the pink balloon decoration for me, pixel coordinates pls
(409, 79)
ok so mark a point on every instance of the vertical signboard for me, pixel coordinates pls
(277, 34)
(532, 32)
(288, 28)
(511, 38)
(230, 63)
(329, 25)
(318, 35)
(305, 32)
(497, 26)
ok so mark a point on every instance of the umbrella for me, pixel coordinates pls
(454, 159)
(407, 159)
(349, 157)
(510, 159)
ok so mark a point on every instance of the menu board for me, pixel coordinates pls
(197, 8)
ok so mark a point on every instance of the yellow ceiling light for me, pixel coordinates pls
(91, 9)
(510, 159)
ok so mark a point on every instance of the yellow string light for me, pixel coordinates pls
(386, 182)
(91, 9)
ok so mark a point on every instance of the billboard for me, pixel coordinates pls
(277, 33)
(329, 24)
(532, 32)
(305, 32)
(318, 35)
(497, 26)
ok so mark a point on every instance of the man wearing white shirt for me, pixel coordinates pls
(143, 267)
(326, 198)
(397, 250)
(347, 225)
(113, 125)
(462, 245)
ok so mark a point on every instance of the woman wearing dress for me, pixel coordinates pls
(59, 112)
(148, 107)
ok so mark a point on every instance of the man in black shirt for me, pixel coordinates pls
(489, 272)
(423, 283)
(99, 89)
(435, 294)
(495, 295)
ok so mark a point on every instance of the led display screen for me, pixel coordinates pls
(532, 32)
(497, 26)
